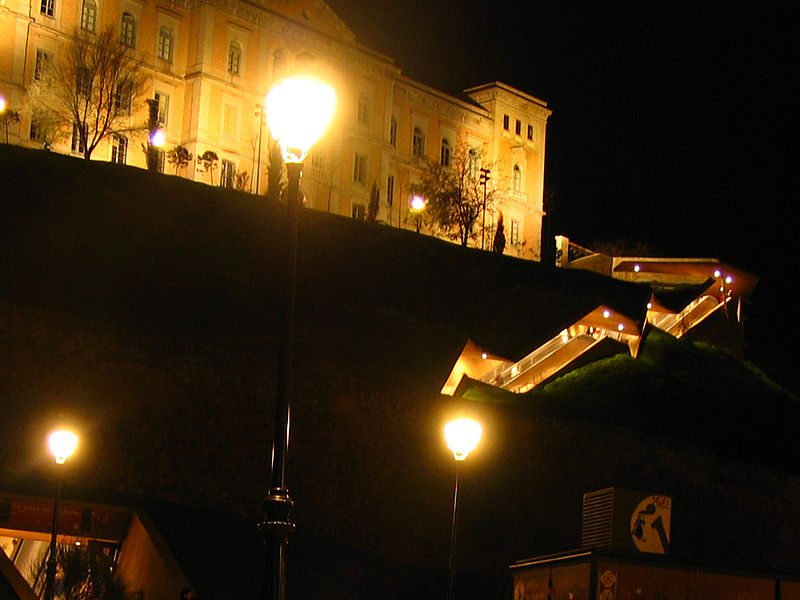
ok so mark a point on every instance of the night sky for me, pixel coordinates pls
(671, 123)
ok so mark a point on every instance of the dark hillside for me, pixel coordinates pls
(144, 306)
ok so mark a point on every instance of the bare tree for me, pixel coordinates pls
(91, 89)
(453, 193)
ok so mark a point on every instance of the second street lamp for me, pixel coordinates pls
(462, 437)
(299, 110)
(62, 444)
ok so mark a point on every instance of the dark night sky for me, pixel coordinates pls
(669, 125)
(672, 122)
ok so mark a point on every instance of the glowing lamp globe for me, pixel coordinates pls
(62, 444)
(157, 139)
(418, 202)
(299, 110)
(462, 437)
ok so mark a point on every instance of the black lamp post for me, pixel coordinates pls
(484, 180)
(62, 444)
(462, 437)
(298, 112)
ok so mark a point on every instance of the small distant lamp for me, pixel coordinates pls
(462, 437)
(62, 444)
(418, 205)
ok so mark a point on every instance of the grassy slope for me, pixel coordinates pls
(146, 305)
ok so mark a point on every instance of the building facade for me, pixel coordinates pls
(209, 64)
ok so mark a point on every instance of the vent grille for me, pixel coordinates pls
(598, 508)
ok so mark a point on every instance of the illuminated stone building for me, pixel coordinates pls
(211, 62)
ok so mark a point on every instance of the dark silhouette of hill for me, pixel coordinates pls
(144, 307)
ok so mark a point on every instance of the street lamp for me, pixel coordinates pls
(462, 437)
(418, 205)
(62, 444)
(299, 110)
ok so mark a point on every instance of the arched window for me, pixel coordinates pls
(279, 64)
(165, 40)
(517, 178)
(445, 153)
(234, 58)
(127, 30)
(418, 143)
(88, 15)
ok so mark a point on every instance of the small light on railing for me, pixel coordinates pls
(637, 268)
(606, 314)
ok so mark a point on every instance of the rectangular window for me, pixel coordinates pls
(127, 31)
(518, 127)
(506, 122)
(119, 149)
(88, 15)
(418, 143)
(35, 131)
(360, 169)
(530, 132)
(163, 107)
(122, 97)
(390, 189)
(228, 174)
(48, 7)
(83, 81)
(359, 211)
(78, 143)
(164, 48)
(393, 133)
(363, 110)
(40, 66)
(160, 159)
(514, 231)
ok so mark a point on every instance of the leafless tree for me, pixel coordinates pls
(453, 193)
(91, 89)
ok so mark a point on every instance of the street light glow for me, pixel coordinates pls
(298, 113)
(417, 202)
(62, 444)
(462, 437)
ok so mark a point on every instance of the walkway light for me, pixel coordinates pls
(462, 437)
(62, 444)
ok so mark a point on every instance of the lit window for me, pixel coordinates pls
(48, 7)
(127, 30)
(119, 149)
(445, 153)
(234, 58)
(88, 15)
(393, 133)
(506, 122)
(40, 66)
(517, 178)
(418, 143)
(359, 211)
(165, 40)
(360, 168)
(228, 174)
(363, 110)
